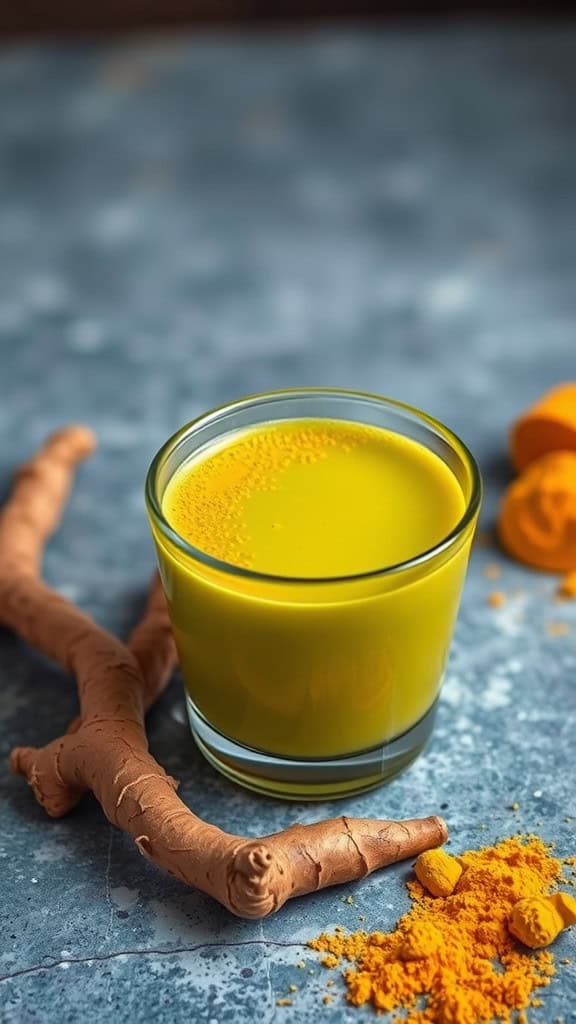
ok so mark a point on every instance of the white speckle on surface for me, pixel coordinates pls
(447, 295)
(64, 953)
(50, 853)
(64, 966)
(537, 793)
(508, 620)
(497, 693)
(123, 897)
(201, 971)
(514, 666)
(170, 924)
(462, 724)
(86, 336)
(453, 691)
(34, 881)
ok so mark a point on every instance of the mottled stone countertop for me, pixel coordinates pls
(187, 220)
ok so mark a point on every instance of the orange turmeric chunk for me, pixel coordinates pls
(538, 920)
(438, 872)
(548, 426)
(537, 523)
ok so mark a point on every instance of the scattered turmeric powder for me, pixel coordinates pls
(496, 599)
(330, 960)
(492, 571)
(453, 959)
(537, 519)
(567, 586)
(557, 629)
(438, 872)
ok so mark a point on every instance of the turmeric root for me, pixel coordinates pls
(106, 749)
(537, 522)
(547, 426)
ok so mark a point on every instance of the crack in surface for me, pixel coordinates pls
(268, 973)
(352, 839)
(315, 864)
(175, 950)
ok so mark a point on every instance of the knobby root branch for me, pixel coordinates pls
(106, 751)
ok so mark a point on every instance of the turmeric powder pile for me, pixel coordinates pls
(453, 959)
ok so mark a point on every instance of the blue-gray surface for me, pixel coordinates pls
(186, 221)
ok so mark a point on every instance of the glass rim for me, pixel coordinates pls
(261, 398)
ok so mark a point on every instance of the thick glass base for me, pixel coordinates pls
(309, 779)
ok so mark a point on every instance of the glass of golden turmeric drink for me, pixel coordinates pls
(312, 546)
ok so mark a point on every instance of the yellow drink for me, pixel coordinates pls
(295, 638)
(314, 499)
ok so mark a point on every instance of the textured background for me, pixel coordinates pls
(186, 221)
